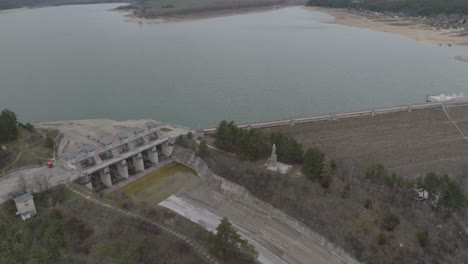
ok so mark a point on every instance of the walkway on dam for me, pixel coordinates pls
(342, 115)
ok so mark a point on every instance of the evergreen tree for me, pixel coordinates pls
(226, 133)
(229, 243)
(313, 163)
(8, 126)
(288, 149)
(202, 149)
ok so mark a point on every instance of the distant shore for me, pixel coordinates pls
(462, 58)
(401, 26)
(405, 27)
(7, 11)
(130, 17)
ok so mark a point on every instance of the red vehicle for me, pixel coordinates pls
(49, 164)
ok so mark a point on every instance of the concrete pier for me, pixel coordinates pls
(152, 155)
(105, 177)
(138, 162)
(122, 169)
(167, 148)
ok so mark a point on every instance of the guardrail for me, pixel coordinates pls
(335, 116)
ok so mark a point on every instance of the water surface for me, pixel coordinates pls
(80, 62)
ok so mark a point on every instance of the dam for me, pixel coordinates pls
(410, 139)
(105, 152)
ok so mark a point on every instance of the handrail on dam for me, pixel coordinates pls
(334, 116)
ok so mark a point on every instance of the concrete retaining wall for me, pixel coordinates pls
(60, 141)
(242, 195)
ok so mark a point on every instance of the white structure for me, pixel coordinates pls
(273, 164)
(445, 98)
(25, 206)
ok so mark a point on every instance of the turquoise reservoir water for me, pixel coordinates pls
(81, 62)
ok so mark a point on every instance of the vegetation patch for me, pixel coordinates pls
(22, 144)
(165, 129)
(161, 184)
(378, 208)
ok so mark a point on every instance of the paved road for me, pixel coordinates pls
(57, 175)
(278, 239)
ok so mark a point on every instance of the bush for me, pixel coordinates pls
(423, 237)
(313, 163)
(391, 222)
(50, 143)
(368, 204)
(325, 181)
(186, 142)
(29, 127)
(202, 149)
(382, 238)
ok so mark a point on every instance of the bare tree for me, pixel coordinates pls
(41, 183)
(22, 185)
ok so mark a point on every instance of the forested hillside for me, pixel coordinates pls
(409, 7)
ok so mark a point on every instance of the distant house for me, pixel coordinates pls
(25, 206)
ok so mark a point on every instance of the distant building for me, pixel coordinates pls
(25, 206)
(440, 98)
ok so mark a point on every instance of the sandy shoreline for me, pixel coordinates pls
(400, 26)
(405, 27)
(462, 58)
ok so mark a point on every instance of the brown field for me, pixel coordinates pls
(409, 143)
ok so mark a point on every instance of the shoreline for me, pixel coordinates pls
(405, 27)
(130, 17)
(14, 10)
(462, 58)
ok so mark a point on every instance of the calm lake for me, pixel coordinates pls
(81, 62)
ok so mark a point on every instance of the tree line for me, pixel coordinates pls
(410, 7)
(443, 193)
(9, 126)
(252, 144)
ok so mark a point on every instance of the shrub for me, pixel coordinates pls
(202, 149)
(382, 238)
(29, 127)
(368, 204)
(50, 143)
(391, 222)
(313, 163)
(423, 237)
(325, 181)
